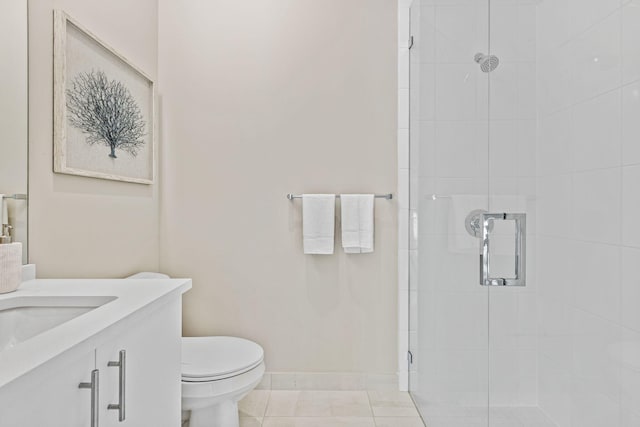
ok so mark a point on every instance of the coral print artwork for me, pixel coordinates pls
(103, 109)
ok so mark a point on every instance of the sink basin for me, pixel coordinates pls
(22, 318)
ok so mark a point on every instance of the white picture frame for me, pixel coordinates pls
(104, 109)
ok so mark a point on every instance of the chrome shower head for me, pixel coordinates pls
(488, 63)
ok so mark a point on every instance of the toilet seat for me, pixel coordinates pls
(206, 359)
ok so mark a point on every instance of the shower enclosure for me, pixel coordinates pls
(524, 198)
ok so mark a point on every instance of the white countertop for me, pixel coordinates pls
(130, 295)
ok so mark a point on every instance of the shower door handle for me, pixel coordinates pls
(520, 220)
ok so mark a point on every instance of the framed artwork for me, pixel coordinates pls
(103, 109)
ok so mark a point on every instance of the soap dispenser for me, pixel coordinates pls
(5, 236)
(10, 261)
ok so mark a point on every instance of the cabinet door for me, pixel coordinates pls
(152, 347)
(49, 396)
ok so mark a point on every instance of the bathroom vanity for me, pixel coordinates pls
(94, 353)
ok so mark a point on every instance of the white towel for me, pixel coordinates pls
(357, 223)
(318, 223)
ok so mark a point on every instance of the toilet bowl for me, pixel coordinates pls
(217, 372)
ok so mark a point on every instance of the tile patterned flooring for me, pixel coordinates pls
(512, 416)
(301, 408)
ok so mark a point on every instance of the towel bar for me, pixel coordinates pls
(15, 196)
(377, 196)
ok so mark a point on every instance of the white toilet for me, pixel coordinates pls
(216, 373)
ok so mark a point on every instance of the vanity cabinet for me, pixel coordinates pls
(152, 353)
(49, 396)
(150, 338)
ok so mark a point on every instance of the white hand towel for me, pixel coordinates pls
(357, 223)
(318, 223)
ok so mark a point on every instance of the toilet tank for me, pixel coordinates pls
(148, 275)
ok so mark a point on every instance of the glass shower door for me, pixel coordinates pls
(473, 332)
(513, 335)
(525, 107)
(449, 151)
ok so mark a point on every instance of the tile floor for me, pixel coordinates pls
(460, 416)
(281, 408)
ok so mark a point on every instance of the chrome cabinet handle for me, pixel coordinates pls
(121, 364)
(520, 255)
(95, 397)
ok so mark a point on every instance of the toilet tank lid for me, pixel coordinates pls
(215, 357)
(148, 275)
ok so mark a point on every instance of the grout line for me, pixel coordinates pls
(372, 417)
(264, 415)
(578, 240)
(589, 28)
(574, 103)
(621, 203)
(583, 171)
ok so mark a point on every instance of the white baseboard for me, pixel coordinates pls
(328, 381)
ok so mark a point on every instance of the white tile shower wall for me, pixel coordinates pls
(588, 179)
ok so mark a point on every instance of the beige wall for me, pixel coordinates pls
(259, 99)
(81, 226)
